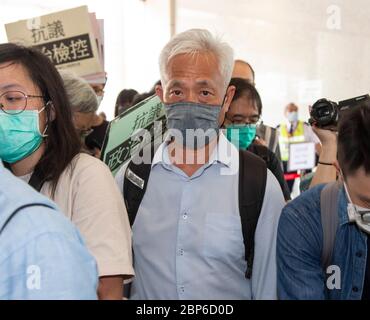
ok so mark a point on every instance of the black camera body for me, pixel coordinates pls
(325, 114)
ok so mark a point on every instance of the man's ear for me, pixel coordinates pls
(226, 104)
(159, 91)
(229, 97)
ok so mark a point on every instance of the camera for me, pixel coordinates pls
(326, 114)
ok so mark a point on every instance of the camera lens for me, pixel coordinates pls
(324, 113)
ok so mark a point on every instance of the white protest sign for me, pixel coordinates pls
(301, 156)
(70, 39)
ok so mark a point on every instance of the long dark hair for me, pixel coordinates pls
(62, 142)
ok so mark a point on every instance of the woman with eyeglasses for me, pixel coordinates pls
(240, 126)
(40, 145)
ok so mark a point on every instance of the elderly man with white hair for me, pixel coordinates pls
(85, 103)
(188, 240)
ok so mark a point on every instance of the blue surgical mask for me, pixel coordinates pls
(292, 116)
(241, 135)
(19, 135)
(197, 124)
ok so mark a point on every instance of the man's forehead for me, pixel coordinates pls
(242, 70)
(292, 106)
(196, 63)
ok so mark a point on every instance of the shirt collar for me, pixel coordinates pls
(343, 204)
(224, 153)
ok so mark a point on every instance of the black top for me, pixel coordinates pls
(273, 164)
(96, 138)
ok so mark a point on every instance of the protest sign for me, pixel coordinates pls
(301, 156)
(71, 39)
(131, 131)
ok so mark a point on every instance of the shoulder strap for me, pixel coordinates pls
(252, 185)
(36, 181)
(21, 208)
(135, 184)
(329, 220)
(261, 151)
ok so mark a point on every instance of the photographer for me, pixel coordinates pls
(326, 167)
(324, 120)
(323, 235)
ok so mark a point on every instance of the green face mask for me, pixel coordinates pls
(241, 135)
(19, 135)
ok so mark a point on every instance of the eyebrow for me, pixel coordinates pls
(11, 86)
(204, 83)
(175, 83)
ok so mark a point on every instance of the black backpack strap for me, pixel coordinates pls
(252, 185)
(36, 181)
(134, 187)
(135, 183)
(21, 208)
(329, 221)
(261, 151)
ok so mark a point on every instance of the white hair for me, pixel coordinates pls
(80, 94)
(198, 41)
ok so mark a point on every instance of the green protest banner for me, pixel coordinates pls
(131, 131)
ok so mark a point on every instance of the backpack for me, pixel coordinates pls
(252, 185)
(329, 220)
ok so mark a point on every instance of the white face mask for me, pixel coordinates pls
(292, 116)
(358, 214)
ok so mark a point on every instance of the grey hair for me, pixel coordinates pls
(195, 41)
(80, 94)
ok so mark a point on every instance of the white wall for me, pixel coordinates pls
(292, 45)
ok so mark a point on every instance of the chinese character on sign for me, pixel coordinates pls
(39, 34)
(67, 50)
(61, 53)
(140, 121)
(55, 29)
(79, 49)
(47, 53)
(115, 158)
(154, 113)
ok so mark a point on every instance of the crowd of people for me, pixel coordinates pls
(210, 217)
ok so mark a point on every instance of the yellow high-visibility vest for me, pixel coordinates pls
(285, 139)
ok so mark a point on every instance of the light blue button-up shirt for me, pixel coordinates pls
(42, 255)
(187, 236)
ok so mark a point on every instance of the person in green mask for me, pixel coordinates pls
(241, 123)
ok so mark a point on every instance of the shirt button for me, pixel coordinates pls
(355, 289)
(185, 216)
(358, 254)
(182, 289)
(181, 252)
